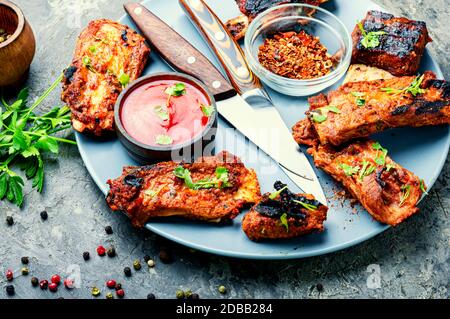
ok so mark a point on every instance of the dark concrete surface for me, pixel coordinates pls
(412, 259)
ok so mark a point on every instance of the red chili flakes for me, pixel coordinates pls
(295, 55)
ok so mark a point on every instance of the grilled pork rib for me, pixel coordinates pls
(107, 56)
(251, 8)
(388, 192)
(385, 104)
(258, 226)
(401, 47)
(153, 191)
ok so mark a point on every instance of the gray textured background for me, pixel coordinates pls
(413, 258)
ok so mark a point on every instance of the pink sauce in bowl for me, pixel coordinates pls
(162, 115)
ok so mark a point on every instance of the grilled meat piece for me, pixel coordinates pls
(251, 8)
(107, 55)
(282, 217)
(359, 109)
(400, 48)
(361, 72)
(388, 192)
(153, 191)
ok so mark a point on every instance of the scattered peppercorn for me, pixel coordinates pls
(180, 294)
(86, 255)
(109, 295)
(95, 292)
(120, 293)
(44, 215)
(151, 263)
(9, 220)
(165, 256)
(43, 284)
(118, 286)
(24, 260)
(195, 296)
(111, 252)
(108, 230)
(68, 283)
(319, 287)
(136, 265)
(24, 271)
(53, 287)
(222, 290)
(151, 296)
(147, 258)
(127, 271)
(111, 284)
(10, 290)
(34, 281)
(188, 294)
(101, 251)
(9, 275)
(56, 279)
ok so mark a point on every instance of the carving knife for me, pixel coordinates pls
(260, 123)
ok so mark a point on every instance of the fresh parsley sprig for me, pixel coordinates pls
(24, 138)
(220, 180)
(414, 88)
(370, 39)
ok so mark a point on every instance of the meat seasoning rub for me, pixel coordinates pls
(295, 55)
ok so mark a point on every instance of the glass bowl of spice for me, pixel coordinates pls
(298, 49)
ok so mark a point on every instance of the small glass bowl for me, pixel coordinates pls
(295, 17)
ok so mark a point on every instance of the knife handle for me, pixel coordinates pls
(222, 43)
(178, 52)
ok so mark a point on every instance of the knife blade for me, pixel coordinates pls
(182, 56)
(232, 58)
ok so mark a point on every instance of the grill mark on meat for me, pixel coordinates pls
(430, 107)
(440, 85)
(401, 109)
(252, 8)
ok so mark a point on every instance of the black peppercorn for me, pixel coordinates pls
(194, 296)
(9, 220)
(86, 255)
(165, 256)
(44, 215)
(319, 287)
(10, 290)
(111, 252)
(118, 286)
(127, 271)
(147, 258)
(151, 296)
(108, 230)
(34, 281)
(24, 260)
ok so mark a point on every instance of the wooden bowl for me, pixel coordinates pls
(16, 53)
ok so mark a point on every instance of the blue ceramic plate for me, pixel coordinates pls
(421, 150)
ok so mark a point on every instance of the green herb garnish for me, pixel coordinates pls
(320, 115)
(164, 139)
(284, 221)
(370, 39)
(422, 187)
(207, 110)
(349, 170)
(88, 64)
(381, 155)
(359, 98)
(24, 138)
(406, 189)
(305, 205)
(153, 193)
(366, 170)
(275, 194)
(176, 90)
(414, 88)
(123, 78)
(221, 179)
(161, 112)
(93, 49)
